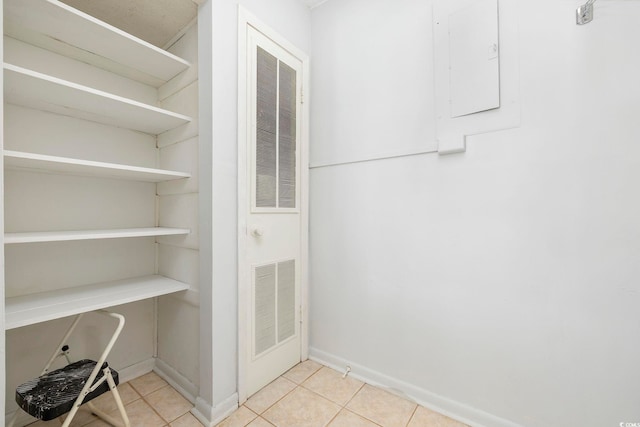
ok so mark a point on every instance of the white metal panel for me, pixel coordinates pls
(474, 58)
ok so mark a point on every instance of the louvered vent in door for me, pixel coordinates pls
(275, 133)
(274, 304)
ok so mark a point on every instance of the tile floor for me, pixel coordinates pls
(308, 395)
(312, 395)
(149, 401)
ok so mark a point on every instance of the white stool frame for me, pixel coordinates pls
(88, 387)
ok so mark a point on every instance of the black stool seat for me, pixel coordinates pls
(53, 394)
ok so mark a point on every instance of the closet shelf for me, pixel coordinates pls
(64, 236)
(60, 28)
(16, 160)
(32, 89)
(29, 309)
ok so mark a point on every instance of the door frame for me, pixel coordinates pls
(246, 20)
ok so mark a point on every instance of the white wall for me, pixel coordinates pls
(178, 314)
(369, 83)
(292, 20)
(501, 284)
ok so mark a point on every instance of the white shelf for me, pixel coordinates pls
(64, 236)
(16, 160)
(40, 307)
(60, 28)
(31, 89)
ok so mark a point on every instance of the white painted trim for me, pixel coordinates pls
(182, 32)
(316, 3)
(247, 19)
(209, 416)
(373, 158)
(451, 408)
(2, 284)
(178, 381)
(136, 370)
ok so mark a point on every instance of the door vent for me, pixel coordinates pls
(274, 304)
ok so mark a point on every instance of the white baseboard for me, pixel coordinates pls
(178, 381)
(134, 371)
(210, 416)
(456, 410)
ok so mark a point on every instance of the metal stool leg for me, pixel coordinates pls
(90, 386)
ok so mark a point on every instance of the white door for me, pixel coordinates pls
(273, 219)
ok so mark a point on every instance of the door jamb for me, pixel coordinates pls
(245, 20)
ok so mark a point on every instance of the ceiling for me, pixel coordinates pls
(155, 21)
(313, 3)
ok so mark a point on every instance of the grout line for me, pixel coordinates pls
(274, 403)
(152, 407)
(413, 414)
(354, 395)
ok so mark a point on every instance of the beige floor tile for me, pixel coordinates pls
(382, 407)
(426, 418)
(302, 371)
(330, 384)
(349, 419)
(141, 415)
(269, 395)
(147, 383)
(107, 403)
(99, 423)
(104, 402)
(187, 420)
(260, 422)
(52, 423)
(168, 403)
(301, 408)
(240, 418)
(82, 417)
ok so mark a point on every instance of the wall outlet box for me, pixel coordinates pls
(452, 144)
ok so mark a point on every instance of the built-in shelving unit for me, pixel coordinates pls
(29, 309)
(62, 29)
(16, 160)
(31, 89)
(67, 236)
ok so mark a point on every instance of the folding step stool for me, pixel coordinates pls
(64, 390)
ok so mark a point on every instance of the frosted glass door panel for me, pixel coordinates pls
(276, 133)
(267, 105)
(287, 138)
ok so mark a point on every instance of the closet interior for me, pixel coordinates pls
(100, 192)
